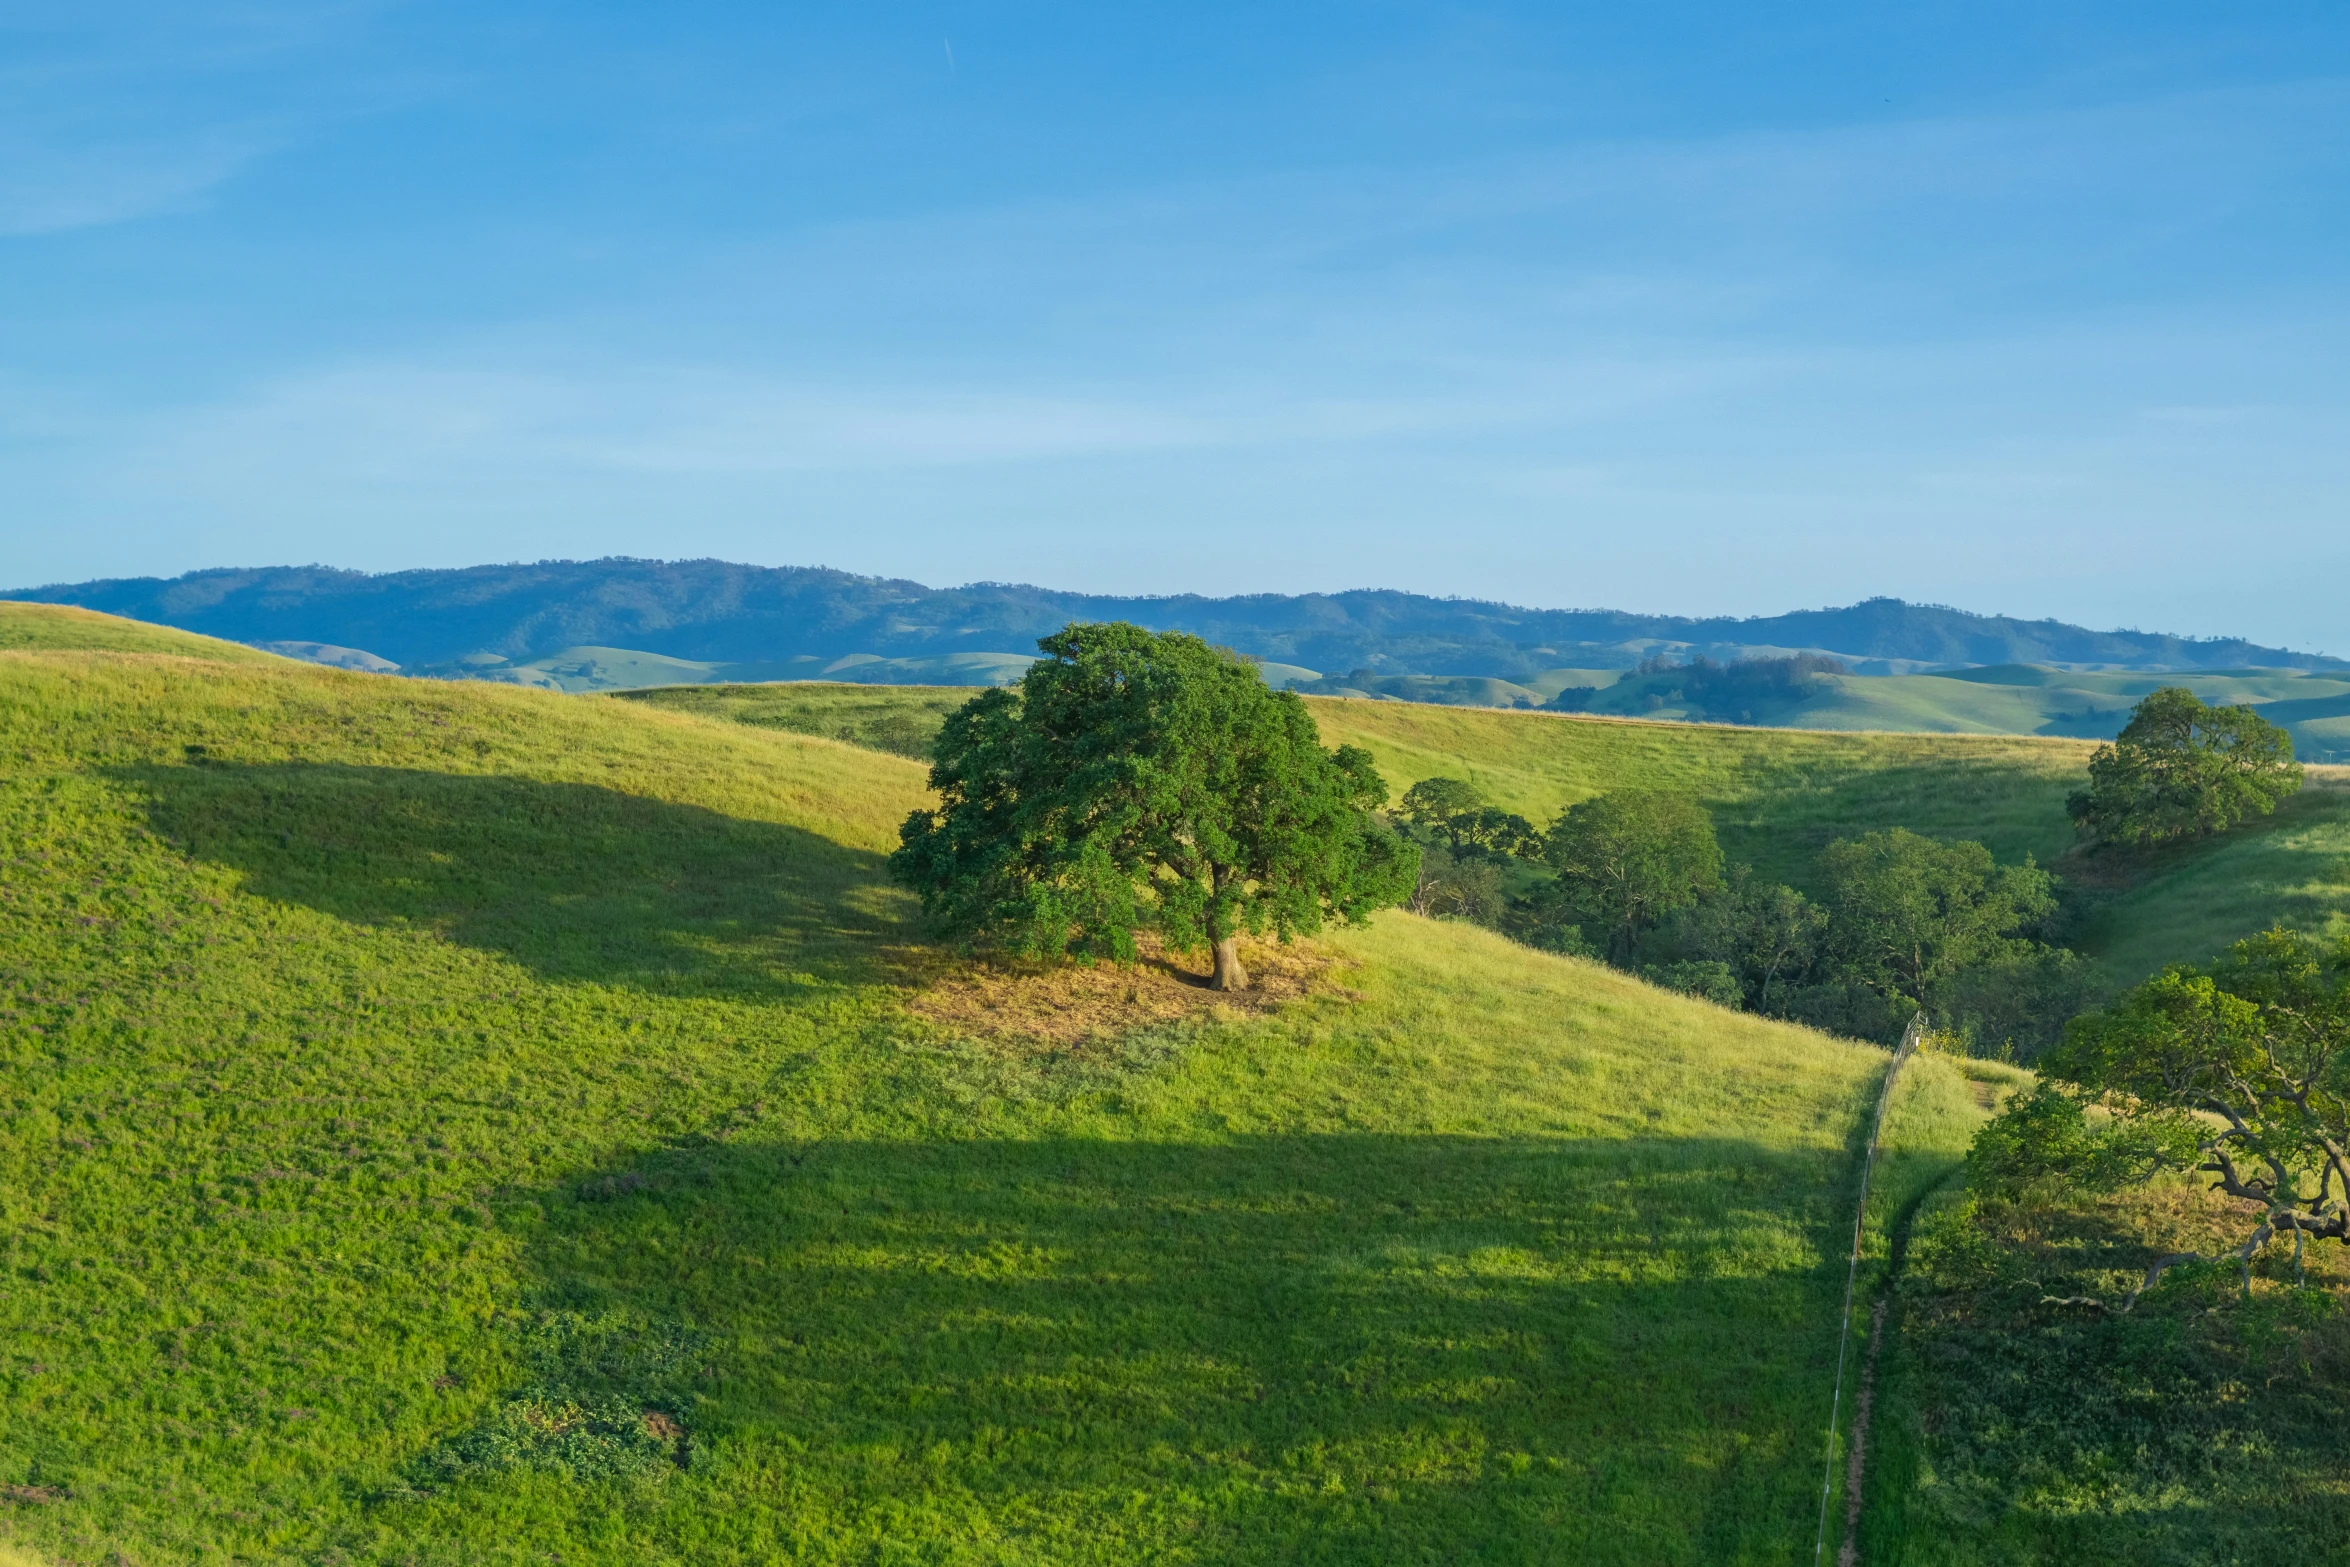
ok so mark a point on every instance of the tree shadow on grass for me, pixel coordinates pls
(2199, 1428)
(1340, 1348)
(573, 881)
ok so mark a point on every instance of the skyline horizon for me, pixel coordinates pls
(1521, 604)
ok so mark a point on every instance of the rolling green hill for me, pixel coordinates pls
(33, 628)
(451, 1123)
(1777, 796)
(2014, 699)
(727, 612)
(626, 669)
(901, 720)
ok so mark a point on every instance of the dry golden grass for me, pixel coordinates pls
(1053, 1006)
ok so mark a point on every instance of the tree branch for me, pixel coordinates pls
(2161, 1266)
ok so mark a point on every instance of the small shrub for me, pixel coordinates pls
(605, 1439)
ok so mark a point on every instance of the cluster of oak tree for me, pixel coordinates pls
(1900, 921)
(1728, 693)
(1897, 923)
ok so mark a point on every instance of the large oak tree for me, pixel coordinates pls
(2241, 1072)
(2182, 768)
(1144, 781)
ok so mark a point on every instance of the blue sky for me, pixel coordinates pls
(2030, 308)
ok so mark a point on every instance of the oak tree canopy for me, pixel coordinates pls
(1140, 781)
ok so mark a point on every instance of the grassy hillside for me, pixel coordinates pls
(2205, 1427)
(1776, 796)
(2025, 699)
(2019, 699)
(2189, 903)
(628, 669)
(45, 627)
(464, 1124)
(2011, 699)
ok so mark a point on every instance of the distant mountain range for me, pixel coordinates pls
(709, 619)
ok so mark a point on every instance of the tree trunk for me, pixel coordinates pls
(1229, 975)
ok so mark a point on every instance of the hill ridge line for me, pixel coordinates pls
(725, 611)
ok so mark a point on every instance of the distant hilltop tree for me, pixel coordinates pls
(1736, 691)
(2181, 768)
(1136, 781)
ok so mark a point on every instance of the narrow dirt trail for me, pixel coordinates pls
(1856, 1462)
(1860, 1222)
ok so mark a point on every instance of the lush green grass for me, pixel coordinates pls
(2006, 699)
(2188, 904)
(2203, 1428)
(411, 1085)
(596, 669)
(1937, 1106)
(899, 719)
(396, 1066)
(2026, 699)
(1778, 795)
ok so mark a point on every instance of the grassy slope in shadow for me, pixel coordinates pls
(363, 1033)
(2202, 1428)
(901, 720)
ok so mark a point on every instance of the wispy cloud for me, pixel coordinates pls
(113, 113)
(50, 186)
(397, 422)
